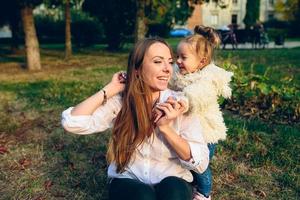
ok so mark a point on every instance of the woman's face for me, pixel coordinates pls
(157, 66)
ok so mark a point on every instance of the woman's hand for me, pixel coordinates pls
(166, 112)
(170, 110)
(117, 84)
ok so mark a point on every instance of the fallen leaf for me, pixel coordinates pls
(24, 162)
(260, 193)
(48, 184)
(3, 150)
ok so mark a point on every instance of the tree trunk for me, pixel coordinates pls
(31, 41)
(68, 43)
(140, 23)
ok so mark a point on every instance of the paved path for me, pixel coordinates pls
(287, 44)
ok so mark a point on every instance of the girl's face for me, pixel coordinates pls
(187, 60)
(157, 66)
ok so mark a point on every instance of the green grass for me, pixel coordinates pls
(259, 160)
(276, 63)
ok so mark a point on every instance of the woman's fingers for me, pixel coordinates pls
(175, 103)
(157, 114)
(163, 108)
(183, 105)
(122, 76)
(166, 107)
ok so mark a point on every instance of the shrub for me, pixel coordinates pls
(255, 95)
(276, 32)
(158, 29)
(85, 29)
(87, 32)
(50, 30)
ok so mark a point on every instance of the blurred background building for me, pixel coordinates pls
(233, 12)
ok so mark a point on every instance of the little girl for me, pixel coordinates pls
(203, 83)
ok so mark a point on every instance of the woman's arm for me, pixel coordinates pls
(171, 109)
(88, 106)
(191, 131)
(91, 116)
(189, 144)
(179, 145)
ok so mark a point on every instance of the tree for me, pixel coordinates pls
(10, 14)
(31, 42)
(159, 12)
(66, 4)
(252, 13)
(161, 15)
(68, 42)
(117, 17)
(290, 10)
(123, 18)
(140, 21)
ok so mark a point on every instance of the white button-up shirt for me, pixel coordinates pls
(154, 159)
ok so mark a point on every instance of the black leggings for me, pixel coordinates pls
(170, 188)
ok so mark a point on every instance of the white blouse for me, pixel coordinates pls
(154, 159)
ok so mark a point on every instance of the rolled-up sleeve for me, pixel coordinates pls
(99, 121)
(191, 131)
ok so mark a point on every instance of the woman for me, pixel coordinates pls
(146, 160)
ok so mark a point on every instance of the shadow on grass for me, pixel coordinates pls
(74, 167)
(6, 56)
(51, 93)
(77, 165)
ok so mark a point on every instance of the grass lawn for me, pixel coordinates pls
(39, 160)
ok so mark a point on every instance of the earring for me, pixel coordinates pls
(136, 74)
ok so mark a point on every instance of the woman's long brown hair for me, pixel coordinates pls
(134, 121)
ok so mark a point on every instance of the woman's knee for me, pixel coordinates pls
(174, 188)
(130, 189)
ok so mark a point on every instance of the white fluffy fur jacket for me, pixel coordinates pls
(203, 88)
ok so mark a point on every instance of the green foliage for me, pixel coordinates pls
(85, 30)
(10, 14)
(49, 29)
(9, 11)
(275, 32)
(254, 95)
(291, 10)
(288, 8)
(162, 15)
(29, 3)
(117, 17)
(252, 12)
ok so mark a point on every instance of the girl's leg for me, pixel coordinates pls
(204, 180)
(125, 188)
(173, 188)
(211, 148)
